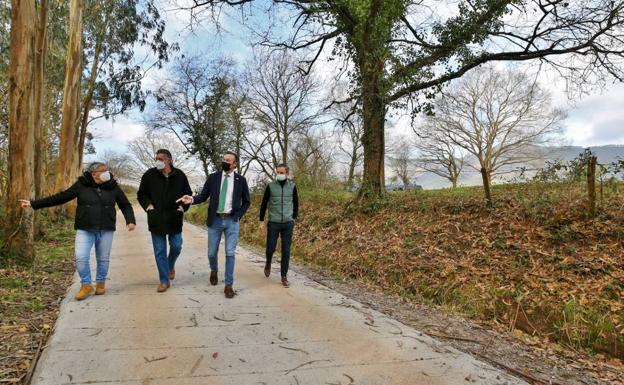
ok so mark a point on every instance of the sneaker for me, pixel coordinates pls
(100, 288)
(213, 278)
(267, 271)
(162, 287)
(172, 274)
(84, 292)
(285, 282)
(229, 292)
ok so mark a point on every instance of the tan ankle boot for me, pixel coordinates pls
(84, 292)
(100, 288)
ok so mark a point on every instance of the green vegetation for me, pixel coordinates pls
(534, 261)
(30, 296)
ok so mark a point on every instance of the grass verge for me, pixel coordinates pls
(30, 298)
(533, 263)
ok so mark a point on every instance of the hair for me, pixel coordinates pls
(284, 165)
(93, 166)
(232, 153)
(166, 152)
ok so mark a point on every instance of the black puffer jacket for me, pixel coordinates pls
(96, 203)
(161, 192)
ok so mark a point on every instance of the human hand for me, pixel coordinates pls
(180, 208)
(150, 207)
(24, 203)
(186, 199)
(130, 226)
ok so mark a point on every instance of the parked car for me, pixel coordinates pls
(402, 187)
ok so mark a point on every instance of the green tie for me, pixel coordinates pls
(223, 194)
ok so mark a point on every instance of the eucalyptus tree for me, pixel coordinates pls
(18, 224)
(109, 80)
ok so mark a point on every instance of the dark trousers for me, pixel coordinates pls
(285, 232)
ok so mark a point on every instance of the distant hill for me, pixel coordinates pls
(471, 177)
(606, 154)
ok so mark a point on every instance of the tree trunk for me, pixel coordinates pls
(86, 105)
(41, 140)
(69, 140)
(19, 222)
(373, 139)
(485, 175)
(352, 164)
(591, 186)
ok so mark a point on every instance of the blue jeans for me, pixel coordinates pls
(229, 226)
(164, 262)
(85, 239)
(285, 232)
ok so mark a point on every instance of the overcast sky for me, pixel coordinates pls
(593, 120)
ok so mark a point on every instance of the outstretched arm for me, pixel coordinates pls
(56, 199)
(199, 198)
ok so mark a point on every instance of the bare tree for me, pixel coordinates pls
(311, 162)
(400, 154)
(282, 107)
(497, 116)
(120, 165)
(349, 129)
(438, 155)
(143, 150)
(236, 118)
(193, 103)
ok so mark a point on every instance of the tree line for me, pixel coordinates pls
(67, 64)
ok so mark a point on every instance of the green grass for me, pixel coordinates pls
(534, 250)
(26, 289)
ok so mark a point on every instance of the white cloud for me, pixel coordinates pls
(115, 134)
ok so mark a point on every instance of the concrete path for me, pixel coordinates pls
(192, 334)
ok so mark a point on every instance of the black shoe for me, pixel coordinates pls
(229, 292)
(267, 271)
(213, 278)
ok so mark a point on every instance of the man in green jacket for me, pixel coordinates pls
(282, 201)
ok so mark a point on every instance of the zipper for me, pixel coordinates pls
(283, 203)
(98, 191)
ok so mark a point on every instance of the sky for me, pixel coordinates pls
(593, 120)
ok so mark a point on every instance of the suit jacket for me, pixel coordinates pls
(212, 189)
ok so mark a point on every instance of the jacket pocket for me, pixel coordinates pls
(152, 219)
(111, 213)
(177, 219)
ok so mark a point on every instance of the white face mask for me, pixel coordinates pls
(280, 177)
(105, 176)
(160, 164)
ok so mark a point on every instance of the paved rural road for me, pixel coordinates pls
(192, 334)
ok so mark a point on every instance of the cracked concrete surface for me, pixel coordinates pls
(192, 334)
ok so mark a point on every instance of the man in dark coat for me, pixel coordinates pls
(229, 200)
(160, 188)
